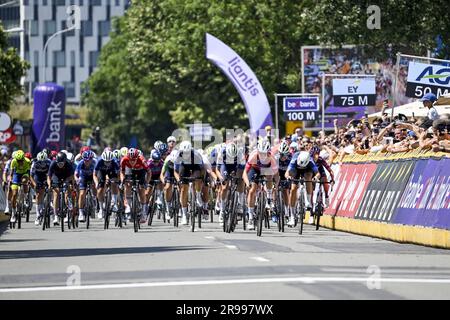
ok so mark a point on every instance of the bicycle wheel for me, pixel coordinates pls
(152, 208)
(301, 215)
(199, 217)
(61, 210)
(87, 208)
(260, 216)
(135, 213)
(107, 208)
(193, 214)
(318, 213)
(27, 207)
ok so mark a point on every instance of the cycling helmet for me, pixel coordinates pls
(70, 156)
(171, 139)
(303, 159)
(283, 148)
(155, 155)
(28, 155)
(42, 156)
(20, 155)
(231, 150)
(163, 148)
(157, 144)
(133, 153)
(47, 151)
(314, 150)
(263, 146)
(116, 154)
(124, 151)
(61, 157)
(186, 146)
(324, 155)
(140, 153)
(65, 151)
(107, 149)
(84, 148)
(87, 155)
(107, 156)
(53, 154)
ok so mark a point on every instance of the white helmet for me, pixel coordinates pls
(231, 150)
(171, 138)
(42, 156)
(124, 151)
(283, 148)
(65, 151)
(70, 156)
(157, 144)
(263, 146)
(324, 155)
(107, 156)
(303, 159)
(186, 146)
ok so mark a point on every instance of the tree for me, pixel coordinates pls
(12, 68)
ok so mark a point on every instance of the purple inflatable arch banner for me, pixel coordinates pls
(48, 129)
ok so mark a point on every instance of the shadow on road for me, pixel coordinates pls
(74, 252)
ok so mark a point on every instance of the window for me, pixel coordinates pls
(34, 28)
(82, 59)
(70, 89)
(60, 2)
(49, 27)
(72, 58)
(59, 59)
(96, 2)
(104, 28)
(93, 58)
(86, 28)
(117, 3)
(36, 58)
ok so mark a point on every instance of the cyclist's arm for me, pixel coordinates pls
(95, 178)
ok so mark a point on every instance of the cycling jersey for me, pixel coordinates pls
(39, 169)
(293, 166)
(155, 168)
(127, 167)
(7, 166)
(60, 173)
(85, 170)
(256, 162)
(193, 162)
(105, 167)
(322, 165)
(21, 168)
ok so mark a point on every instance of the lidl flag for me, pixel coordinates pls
(243, 79)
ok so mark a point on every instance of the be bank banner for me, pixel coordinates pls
(243, 79)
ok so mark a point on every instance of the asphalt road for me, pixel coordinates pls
(161, 262)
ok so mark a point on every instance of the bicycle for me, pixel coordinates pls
(20, 208)
(153, 206)
(46, 212)
(319, 205)
(108, 196)
(119, 220)
(279, 205)
(175, 202)
(261, 212)
(28, 205)
(61, 200)
(194, 209)
(90, 205)
(230, 214)
(135, 205)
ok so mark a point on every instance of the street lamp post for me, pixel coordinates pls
(7, 4)
(13, 30)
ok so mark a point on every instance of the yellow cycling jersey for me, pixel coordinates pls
(21, 168)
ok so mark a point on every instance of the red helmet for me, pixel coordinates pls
(133, 153)
(84, 148)
(53, 154)
(28, 155)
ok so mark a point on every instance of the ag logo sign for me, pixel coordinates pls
(425, 78)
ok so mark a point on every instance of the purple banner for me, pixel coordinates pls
(48, 117)
(426, 199)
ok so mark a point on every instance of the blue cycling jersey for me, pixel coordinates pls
(83, 170)
(103, 166)
(294, 166)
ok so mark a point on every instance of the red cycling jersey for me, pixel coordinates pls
(140, 164)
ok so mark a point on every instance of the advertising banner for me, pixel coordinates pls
(354, 92)
(426, 198)
(243, 79)
(385, 190)
(425, 78)
(349, 189)
(301, 108)
(48, 129)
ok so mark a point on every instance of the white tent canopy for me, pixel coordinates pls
(442, 106)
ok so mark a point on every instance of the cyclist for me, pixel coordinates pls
(208, 181)
(171, 142)
(284, 157)
(84, 174)
(301, 165)
(167, 176)
(322, 165)
(39, 171)
(134, 167)
(18, 175)
(61, 170)
(155, 165)
(106, 166)
(7, 182)
(79, 156)
(230, 161)
(117, 155)
(260, 163)
(188, 163)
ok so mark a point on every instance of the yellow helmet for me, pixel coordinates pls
(20, 155)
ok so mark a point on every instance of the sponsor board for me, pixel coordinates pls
(354, 92)
(426, 197)
(424, 78)
(385, 190)
(348, 192)
(301, 108)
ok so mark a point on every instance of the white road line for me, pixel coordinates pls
(307, 280)
(209, 237)
(230, 246)
(260, 259)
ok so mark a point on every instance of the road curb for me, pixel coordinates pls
(437, 238)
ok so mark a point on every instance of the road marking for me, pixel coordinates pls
(230, 246)
(260, 259)
(209, 237)
(306, 280)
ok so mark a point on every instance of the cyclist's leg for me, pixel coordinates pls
(101, 176)
(142, 194)
(309, 189)
(240, 189)
(251, 199)
(81, 199)
(17, 178)
(326, 188)
(184, 192)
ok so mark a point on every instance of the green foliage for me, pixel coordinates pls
(12, 68)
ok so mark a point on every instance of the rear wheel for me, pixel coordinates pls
(135, 213)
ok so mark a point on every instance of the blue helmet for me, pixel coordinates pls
(163, 148)
(88, 155)
(155, 155)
